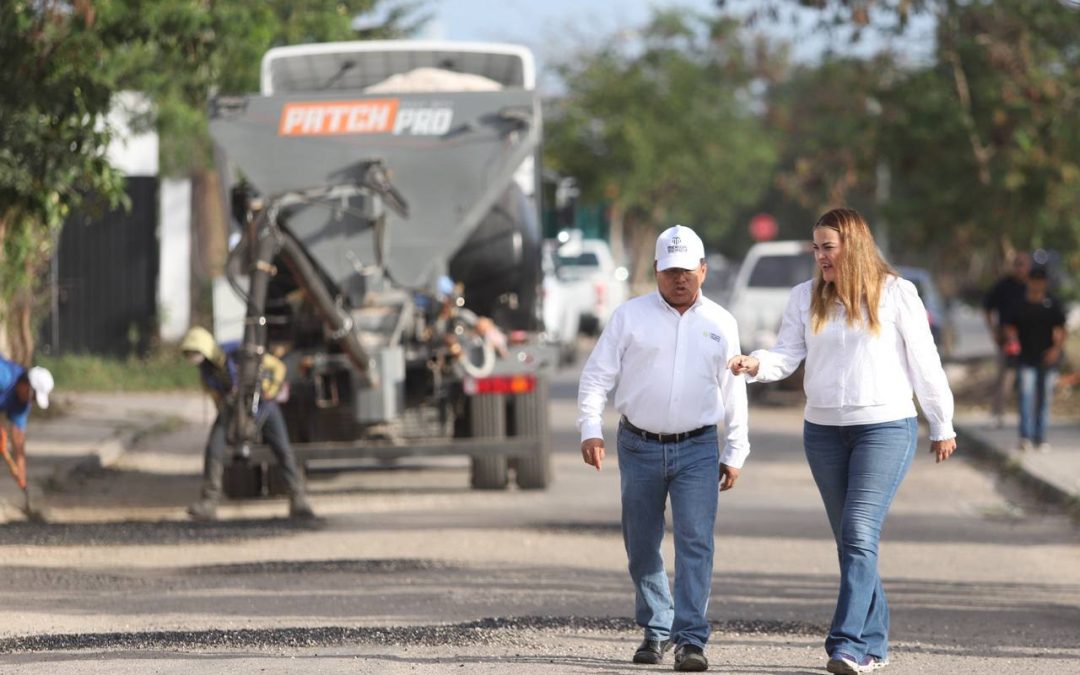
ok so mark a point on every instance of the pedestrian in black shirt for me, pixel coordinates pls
(1008, 290)
(1037, 323)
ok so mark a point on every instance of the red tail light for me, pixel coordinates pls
(504, 384)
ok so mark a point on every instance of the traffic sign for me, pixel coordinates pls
(763, 227)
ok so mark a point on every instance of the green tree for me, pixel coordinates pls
(53, 95)
(999, 96)
(980, 144)
(664, 130)
(828, 119)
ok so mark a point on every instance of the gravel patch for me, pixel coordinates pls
(508, 631)
(145, 533)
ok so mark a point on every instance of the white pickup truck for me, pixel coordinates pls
(762, 286)
(596, 283)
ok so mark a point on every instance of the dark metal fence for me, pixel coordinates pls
(104, 280)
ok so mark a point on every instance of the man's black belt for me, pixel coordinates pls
(665, 438)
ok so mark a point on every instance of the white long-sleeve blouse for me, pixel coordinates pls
(855, 377)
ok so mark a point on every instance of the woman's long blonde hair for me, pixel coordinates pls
(861, 274)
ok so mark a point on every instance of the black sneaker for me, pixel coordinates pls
(651, 651)
(690, 658)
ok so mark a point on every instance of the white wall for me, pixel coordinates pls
(174, 271)
(133, 153)
(229, 310)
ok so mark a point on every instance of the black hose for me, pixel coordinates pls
(254, 343)
(340, 322)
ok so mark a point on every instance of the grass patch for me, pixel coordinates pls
(162, 370)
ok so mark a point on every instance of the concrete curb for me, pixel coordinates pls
(104, 455)
(1011, 467)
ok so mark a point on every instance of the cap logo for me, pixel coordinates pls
(676, 245)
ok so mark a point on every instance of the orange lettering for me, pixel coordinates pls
(328, 118)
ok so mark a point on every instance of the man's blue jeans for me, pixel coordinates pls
(858, 470)
(688, 472)
(1036, 393)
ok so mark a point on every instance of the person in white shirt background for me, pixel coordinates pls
(866, 340)
(667, 352)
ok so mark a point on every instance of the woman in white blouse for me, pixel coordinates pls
(864, 334)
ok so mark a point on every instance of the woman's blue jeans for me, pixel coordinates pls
(688, 472)
(1036, 392)
(858, 470)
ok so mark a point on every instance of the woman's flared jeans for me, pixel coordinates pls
(858, 470)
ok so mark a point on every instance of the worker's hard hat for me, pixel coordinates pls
(200, 341)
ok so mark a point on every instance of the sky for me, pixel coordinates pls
(548, 27)
(530, 21)
(552, 28)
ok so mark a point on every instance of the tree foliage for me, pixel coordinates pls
(980, 144)
(52, 144)
(1006, 77)
(665, 130)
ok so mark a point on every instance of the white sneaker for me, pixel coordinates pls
(1043, 447)
(1026, 445)
(845, 664)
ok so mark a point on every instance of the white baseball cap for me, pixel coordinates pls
(41, 381)
(679, 246)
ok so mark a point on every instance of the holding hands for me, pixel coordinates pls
(743, 364)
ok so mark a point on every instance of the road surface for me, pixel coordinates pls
(410, 571)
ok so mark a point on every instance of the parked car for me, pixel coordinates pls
(719, 278)
(770, 270)
(561, 312)
(761, 288)
(937, 312)
(598, 284)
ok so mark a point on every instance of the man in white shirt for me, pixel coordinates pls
(667, 352)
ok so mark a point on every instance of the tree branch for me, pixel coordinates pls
(981, 152)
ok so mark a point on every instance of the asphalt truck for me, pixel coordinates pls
(386, 196)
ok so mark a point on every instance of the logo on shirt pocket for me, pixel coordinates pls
(712, 336)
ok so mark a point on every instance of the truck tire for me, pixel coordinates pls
(533, 472)
(487, 416)
(242, 480)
